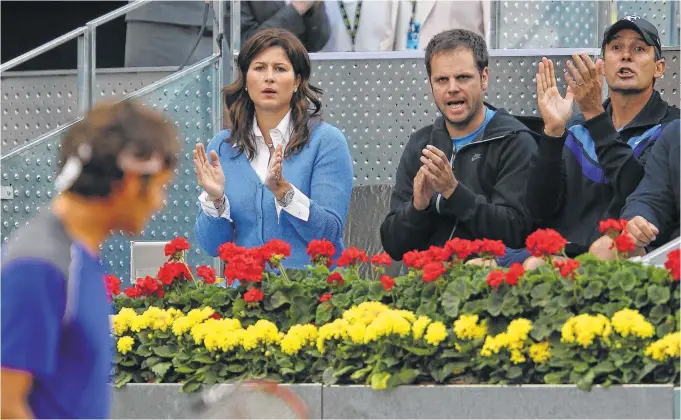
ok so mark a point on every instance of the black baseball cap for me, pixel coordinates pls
(647, 30)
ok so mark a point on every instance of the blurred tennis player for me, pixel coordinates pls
(56, 349)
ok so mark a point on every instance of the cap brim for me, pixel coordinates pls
(627, 24)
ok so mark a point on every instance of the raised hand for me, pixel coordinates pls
(422, 190)
(555, 109)
(275, 179)
(209, 173)
(642, 231)
(585, 80)
(438, 171)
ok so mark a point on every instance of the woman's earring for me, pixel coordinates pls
(296, 90)
(246, 89)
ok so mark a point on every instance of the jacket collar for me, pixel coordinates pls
(652, 113)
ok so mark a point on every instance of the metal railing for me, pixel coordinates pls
(87, 57)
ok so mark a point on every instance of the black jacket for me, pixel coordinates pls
(657, 197)
(312, 28)
(586, 175)
(487, 203)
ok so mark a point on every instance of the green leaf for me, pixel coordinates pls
(494, 302)
(580, 367)
(658, 313)
(641, 298)
(235, 368)
(555, 378)
(328, 377)
(375, 291)
(342, 371)
(593, 290)
(164, 351)
(151, 361)
(277, 300)
(541, 291)
(626, 280)
(323, 314)
(420, 351)
(510, 306)
(379, 380)
(403, 377)
(203, 358)
(184, 369)
(238, 307)
(450, 303)
(514, 372)
(427, 308)
(190, 386)
(160, 369)
(358, 375)
(122, 378)
(658, 294)
(605, 366)
(474, 307)
(587, 381)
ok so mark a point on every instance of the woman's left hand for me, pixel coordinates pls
(275, 181)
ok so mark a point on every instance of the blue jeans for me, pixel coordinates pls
(513, 255)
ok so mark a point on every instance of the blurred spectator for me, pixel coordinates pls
(358, 25)
(306, 19)
(419, 20)
(162, 33)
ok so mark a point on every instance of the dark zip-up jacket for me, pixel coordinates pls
(487, 203)
(657, 197)
(587, 174)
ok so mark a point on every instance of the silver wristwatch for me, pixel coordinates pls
(286, 199)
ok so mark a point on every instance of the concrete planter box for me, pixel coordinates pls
(165, 401)
(477, 402)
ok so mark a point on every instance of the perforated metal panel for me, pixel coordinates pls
(662, 14)
(379, 103)
(668, 85)
(34, 103)
(546, 24)
(188, 103)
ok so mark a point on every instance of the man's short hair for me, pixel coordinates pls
(455, 39)
(106, 131)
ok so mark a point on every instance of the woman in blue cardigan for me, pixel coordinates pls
(279, 172)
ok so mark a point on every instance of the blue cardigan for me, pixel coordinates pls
(322, 170)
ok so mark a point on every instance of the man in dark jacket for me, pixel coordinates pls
(462, 176)
(585, 174)
(653, 208)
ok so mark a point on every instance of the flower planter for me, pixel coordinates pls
(459, 401)
(165, 401)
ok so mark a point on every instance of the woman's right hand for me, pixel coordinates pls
(209, 173)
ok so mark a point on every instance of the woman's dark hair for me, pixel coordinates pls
(240, 107)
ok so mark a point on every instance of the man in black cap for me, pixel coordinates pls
(581, 175)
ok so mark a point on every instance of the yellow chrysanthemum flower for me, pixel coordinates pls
(436, 333)
(540, 352)
(419, 327)
(467, 328)
(123, 320)
(335, 330)
(667, 346)
(124, 344)
(583, 329)
(364, 313)
(517, 356)
(629, 321)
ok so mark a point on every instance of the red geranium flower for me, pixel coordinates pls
(208, 274)
(216, 316)
(496, 278)
(514, 273)
(160, 292)
(229, 250)
(387, 282)
(673, 264)
(147, 285)
(275, 250)
(178, 244)
(476, 246)
(326, 296)
(381, 259)
(132, 292)
(432, 271)
(321, 251)
(612, 226)
(566, 267)
(492, 248)
(545, 242)
(352, 256)
(624, 243)
(437, 254)
(253, 295)
(113, 285)
(462, 248)
(336, 278)
(171, 271)
(246, 267)
(416, 259)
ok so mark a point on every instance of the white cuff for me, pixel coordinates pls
(209, 208)
(298, 207)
